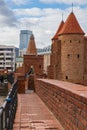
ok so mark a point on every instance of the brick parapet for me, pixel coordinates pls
(21, 84)
(67, 101)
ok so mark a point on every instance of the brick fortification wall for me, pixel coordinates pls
(72, 57)
(67, 101)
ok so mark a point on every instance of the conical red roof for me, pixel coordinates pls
(58, 30)
(71, 26)
(31, 50)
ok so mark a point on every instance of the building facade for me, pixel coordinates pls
(31, 59)
(69, 52)
(19, 62)
(7, 57)
(46, 52)
(24, 38)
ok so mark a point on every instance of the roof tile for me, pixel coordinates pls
(31, 50)
(71, 26)
(58, 30)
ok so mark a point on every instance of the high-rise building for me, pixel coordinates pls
(24, 38)
(7, 57)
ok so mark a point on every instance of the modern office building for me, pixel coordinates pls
(7, 57)
(24, 39)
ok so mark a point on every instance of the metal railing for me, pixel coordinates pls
(8, 109)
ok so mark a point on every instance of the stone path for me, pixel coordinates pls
(32, 114)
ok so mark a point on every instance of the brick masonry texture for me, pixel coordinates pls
(33, 114)
(67, 101)
(69, 53)
(36, 61)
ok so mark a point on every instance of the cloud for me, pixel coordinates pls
(8, 26)
(43, 22)
(9, 36)
(20, 2)
(28, 12)
(79, 2)
(7, 17)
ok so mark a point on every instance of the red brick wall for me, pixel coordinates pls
(21, 84)
(72, 57)
(85, 57)
(31, 82)
(36, 61)
(67, 101)
(55, 61)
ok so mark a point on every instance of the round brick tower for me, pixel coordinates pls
(72, 50)
(55, 60)
(56, 45)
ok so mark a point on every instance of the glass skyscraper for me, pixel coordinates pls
(24, 38)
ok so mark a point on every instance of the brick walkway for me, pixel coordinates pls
(32, 114)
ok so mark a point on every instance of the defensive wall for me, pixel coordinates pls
(67, 101)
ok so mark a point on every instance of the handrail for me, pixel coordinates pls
(8, 109)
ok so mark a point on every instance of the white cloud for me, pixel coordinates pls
(9, 36)
(43, 22)
(7, 17)
(79, 2)
(21, 2)
(28, 12)
(8, 22)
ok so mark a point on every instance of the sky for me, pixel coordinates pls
(42, 17)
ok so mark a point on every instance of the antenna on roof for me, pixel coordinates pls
(62, 16)
(72, 7)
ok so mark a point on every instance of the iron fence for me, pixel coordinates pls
(8, 109)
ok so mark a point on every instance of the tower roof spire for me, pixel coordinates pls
(62, 16)
(31, 50)
(72, 7)
(71, 26)
(58, 30)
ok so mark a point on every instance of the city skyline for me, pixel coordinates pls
(40, 16)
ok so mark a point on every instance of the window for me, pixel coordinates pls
(66, 77)
(68, 55)
(78, 56)
(70, 41)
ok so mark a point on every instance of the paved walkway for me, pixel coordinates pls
(32, 114)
